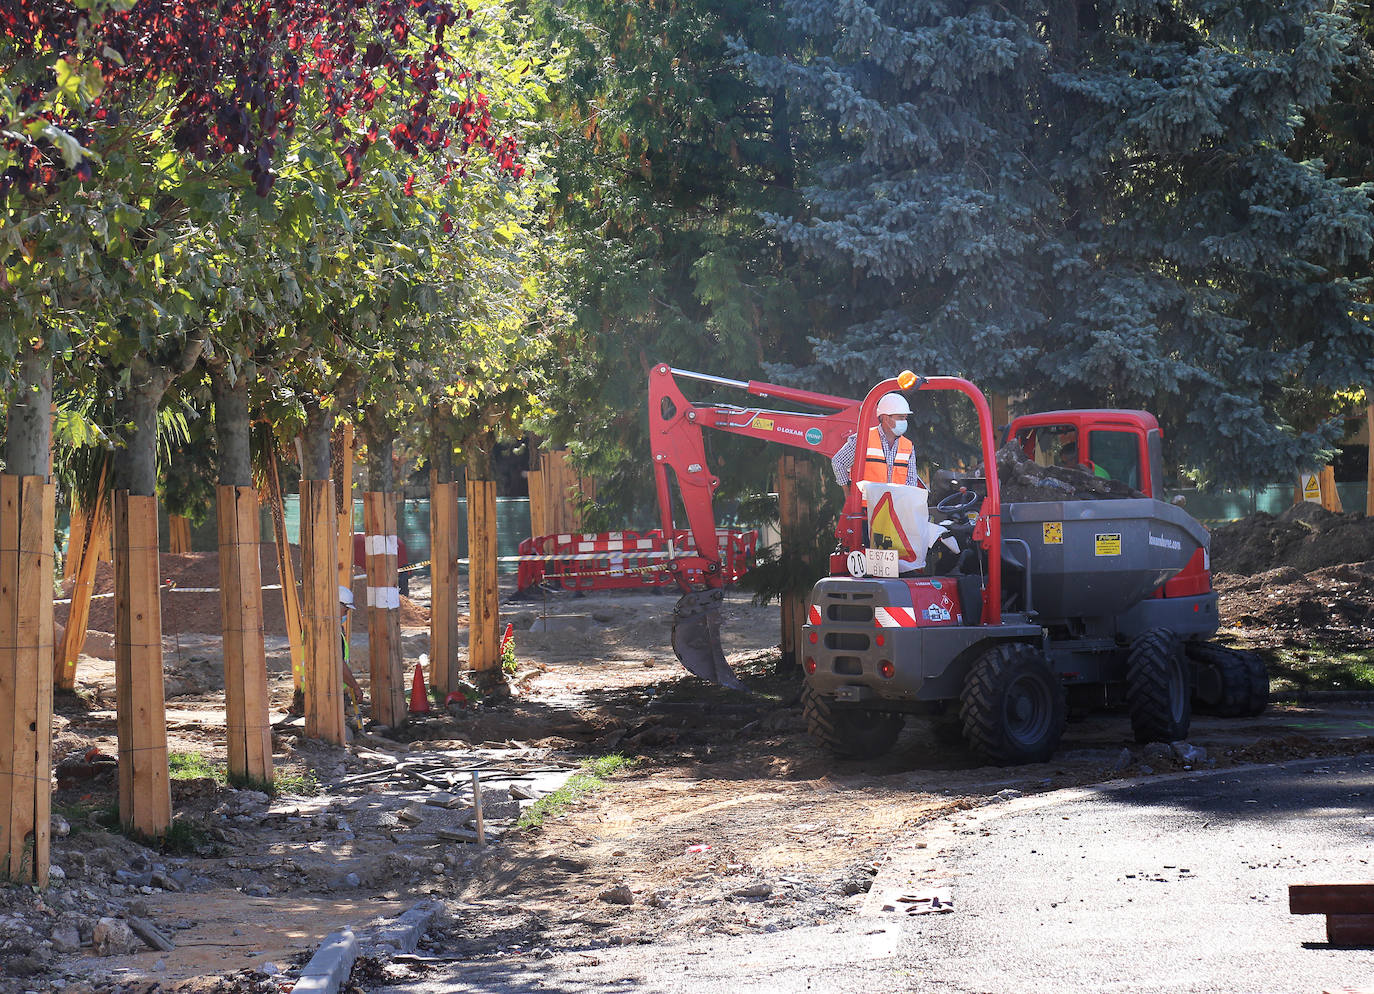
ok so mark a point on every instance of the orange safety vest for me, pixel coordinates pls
(875, 463)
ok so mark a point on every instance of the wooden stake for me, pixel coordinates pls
(245, 660)
(384, 610)
(344, 486)
(484, 606)
(76, 539)
(443, 615)
(145, 800)
(539, 502)
(178, 535)
(290, 595)
(324, 716)
(96, 537)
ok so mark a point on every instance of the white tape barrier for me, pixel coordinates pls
(461, 562)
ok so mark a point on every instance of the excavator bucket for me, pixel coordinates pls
(696, 638)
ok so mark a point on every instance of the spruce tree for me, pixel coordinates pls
(1087, 204)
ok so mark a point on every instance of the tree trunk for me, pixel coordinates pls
(315, 443)
(28, 436)
(247, 724)
(383, 591)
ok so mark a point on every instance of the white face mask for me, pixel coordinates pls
(899, 427)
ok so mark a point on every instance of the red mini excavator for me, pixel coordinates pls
(1043, 604)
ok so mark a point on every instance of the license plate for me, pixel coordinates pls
(882, 562)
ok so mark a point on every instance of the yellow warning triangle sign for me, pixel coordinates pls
(886, 530)
(1311, 489)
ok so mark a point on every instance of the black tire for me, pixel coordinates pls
(1158, 694)
(850, 734)
(1013, 707)
(1231, 683)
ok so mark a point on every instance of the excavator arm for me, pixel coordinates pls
(679, 453)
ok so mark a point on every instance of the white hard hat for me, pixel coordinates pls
(893, 403)
(345, 596)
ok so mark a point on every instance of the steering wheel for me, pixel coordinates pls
(961, 502)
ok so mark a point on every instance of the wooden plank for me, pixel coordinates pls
(484, 608)
(28, 662)
(1326, 479)
(1327, 899)
(42, 798)
(178, 535)
(796, 476)
(443, 554)
(538, 503)
(123, 657)
(344, 500)
(320, 610)
(145, 802)
(256, 700)
(10, 503)
(76, 538)
(1350, 930)
(97, 536)
(290, 594)
(383, 619)
(231, 626)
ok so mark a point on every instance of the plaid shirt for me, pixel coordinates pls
(843, 461)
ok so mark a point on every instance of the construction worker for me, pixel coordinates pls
(1068, 458)
(888, 457)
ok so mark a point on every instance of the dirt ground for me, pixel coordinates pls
(730, 820)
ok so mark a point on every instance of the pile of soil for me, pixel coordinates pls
(185, 611)
(1305, 537)
(1305, 574)
(1023, 480)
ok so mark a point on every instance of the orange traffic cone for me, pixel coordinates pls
(419, 697)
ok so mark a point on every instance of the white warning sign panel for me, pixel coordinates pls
(1311, 489)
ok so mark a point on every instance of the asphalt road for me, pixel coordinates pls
(1170, 884)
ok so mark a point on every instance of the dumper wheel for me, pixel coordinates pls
(1013, 707)
(1231, 683)
(850, 734)
(1158, 695)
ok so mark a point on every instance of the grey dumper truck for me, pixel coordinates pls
(1083, 622)
(1103, 602)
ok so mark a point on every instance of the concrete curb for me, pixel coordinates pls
(333, 961)
(403, 933)
(330, 966)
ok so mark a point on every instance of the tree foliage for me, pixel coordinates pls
(1087, 204)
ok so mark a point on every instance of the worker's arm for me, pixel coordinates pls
(912, 479)
(842, 462)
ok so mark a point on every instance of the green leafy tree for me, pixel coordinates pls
(667, 152)
(1087, 204)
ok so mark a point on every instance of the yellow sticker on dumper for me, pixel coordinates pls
(1054, 533)
(1108, 545)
